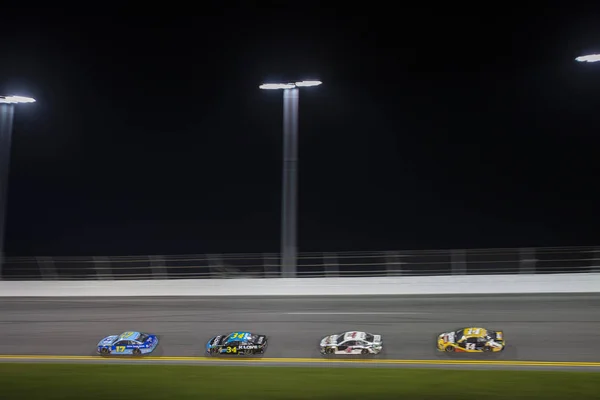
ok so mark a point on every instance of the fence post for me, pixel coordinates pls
(458, 260)
(102, 268)
(215, 266)
(47, 268)
(393, 263)
(270, 268)
(158, 268)
(527, 261)
(331, 265)
(595, 261)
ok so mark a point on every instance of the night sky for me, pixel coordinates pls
(430, 131)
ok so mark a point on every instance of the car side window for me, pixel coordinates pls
(350, 343)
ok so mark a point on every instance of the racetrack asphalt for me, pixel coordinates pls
(553, 327)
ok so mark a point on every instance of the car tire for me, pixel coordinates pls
(487, 349)
(449, 349)
(137, 352)
(364, 351)
(104, 351)
(329, 350)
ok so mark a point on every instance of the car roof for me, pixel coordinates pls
(240, 336)
(130, 335)
(355, 335)
(474, 332)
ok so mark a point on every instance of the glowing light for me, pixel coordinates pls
(16, 99)
(308, 83)
(289, 85)
(589, 58)
(277, 86)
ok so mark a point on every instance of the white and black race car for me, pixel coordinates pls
(352, 342)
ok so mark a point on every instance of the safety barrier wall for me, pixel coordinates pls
(548, 260)
(490, 284)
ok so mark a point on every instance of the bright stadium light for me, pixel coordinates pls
(289, 197)
(7, 109)
(16, 99)
(308, 83)
(289, 85)
(589, 58)
(277, 86)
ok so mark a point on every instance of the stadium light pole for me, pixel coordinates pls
(289, 197)
(7, 110)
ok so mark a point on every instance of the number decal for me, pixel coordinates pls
(470, 346)
(473, 331)
(120, 349)
(231, 349)
(238, 335)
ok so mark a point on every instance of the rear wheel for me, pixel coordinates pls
(364, 351)
(137, 352)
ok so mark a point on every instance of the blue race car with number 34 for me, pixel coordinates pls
(237, 343)
(128, 343)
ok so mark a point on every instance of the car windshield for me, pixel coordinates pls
(369, 337)
(459, 334)
(143, 337)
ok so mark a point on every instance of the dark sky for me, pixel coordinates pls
(431, 130)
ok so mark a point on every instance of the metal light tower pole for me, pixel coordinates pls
(7, 109)
(289, 197)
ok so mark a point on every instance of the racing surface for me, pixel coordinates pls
(537, 327)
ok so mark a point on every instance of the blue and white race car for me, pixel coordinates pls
(237, 343)
(128, 343)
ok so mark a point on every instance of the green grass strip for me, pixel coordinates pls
(182, 382)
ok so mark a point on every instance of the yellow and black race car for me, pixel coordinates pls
(471, 340)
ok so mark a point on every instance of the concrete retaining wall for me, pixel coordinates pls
(457, 284)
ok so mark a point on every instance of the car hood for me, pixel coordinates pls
(215, 341)
(448, 337)
(329, 340)
(107, 341)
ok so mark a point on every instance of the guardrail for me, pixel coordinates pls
(548, 260)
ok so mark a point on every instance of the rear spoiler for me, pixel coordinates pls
(261, 339)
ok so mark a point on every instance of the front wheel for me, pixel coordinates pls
(329, 350)
(104, 351)
(449, 349)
